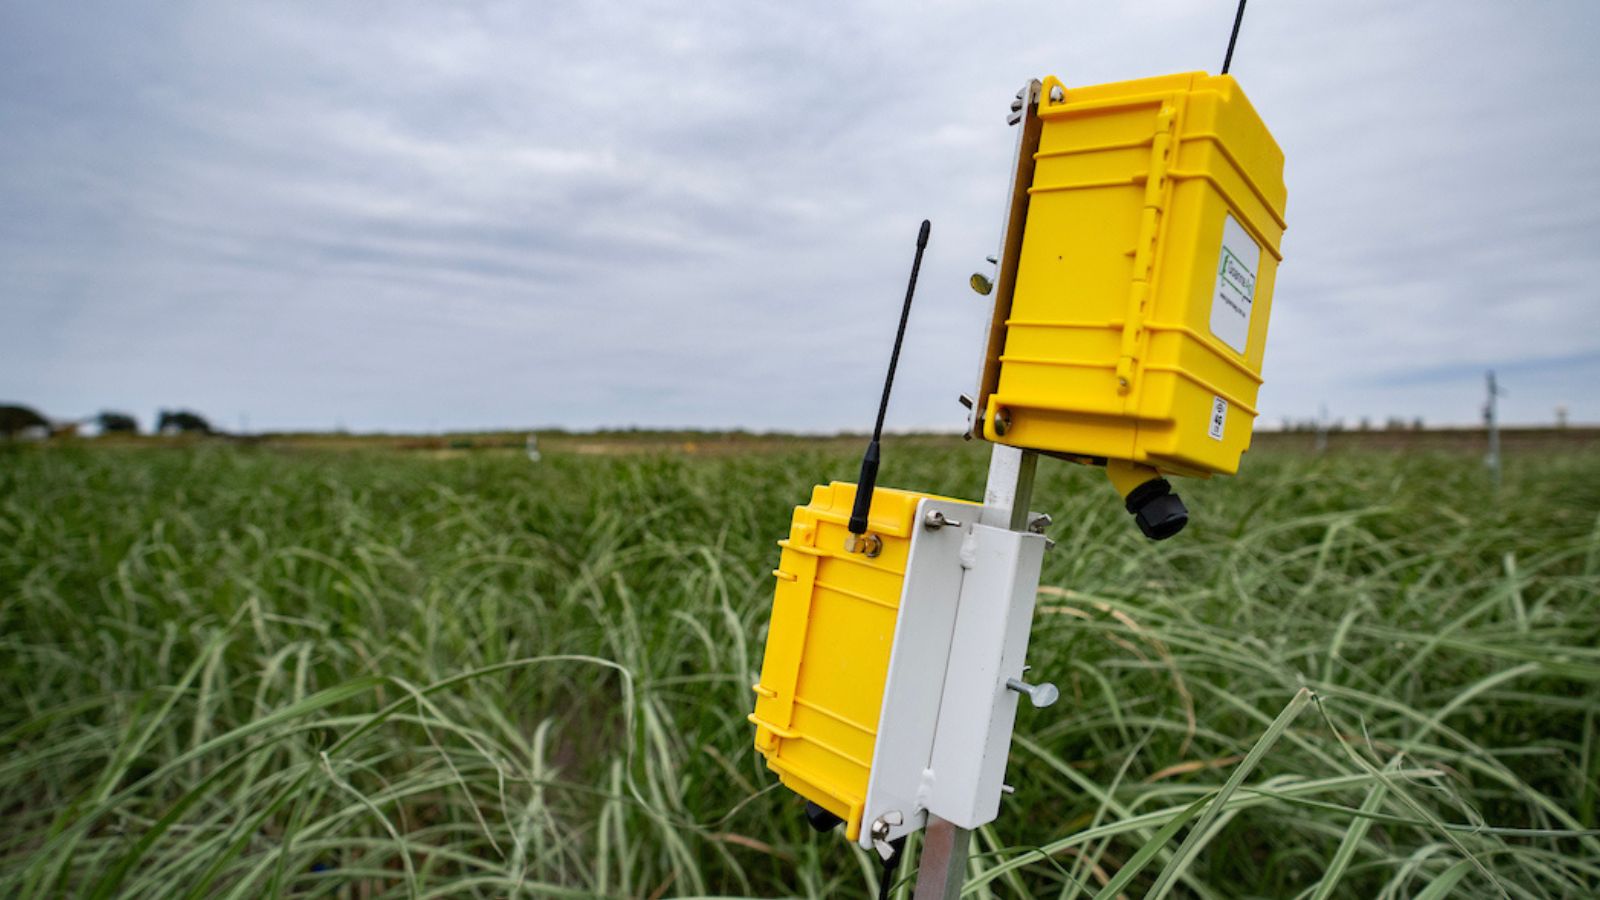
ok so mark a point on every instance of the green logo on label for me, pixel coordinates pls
(1230, 270)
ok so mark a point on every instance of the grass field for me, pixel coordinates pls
(250, 672)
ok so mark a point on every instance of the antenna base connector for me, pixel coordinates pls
(868, 545)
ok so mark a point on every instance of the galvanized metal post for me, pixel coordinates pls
(942, 867)
(1010, 487)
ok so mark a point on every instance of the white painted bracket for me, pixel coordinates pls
(989, 646)
(945, 726)
(917, 661)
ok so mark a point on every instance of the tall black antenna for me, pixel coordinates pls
(869, 460)
(1233, 38)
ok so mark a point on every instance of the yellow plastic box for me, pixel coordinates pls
(820, 696)
(1143, 283)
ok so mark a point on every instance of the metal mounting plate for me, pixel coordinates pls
(945, 727)
(988, 646)
(912, 690)
(1005, 282)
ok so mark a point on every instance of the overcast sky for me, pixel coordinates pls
(702, 213)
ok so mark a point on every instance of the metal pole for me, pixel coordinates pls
(1010, 487)
(1491, 420)
(942, 867)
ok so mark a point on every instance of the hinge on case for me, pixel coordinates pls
(1144, 247)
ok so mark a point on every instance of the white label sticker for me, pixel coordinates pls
(1219, 417)
(1235, 292)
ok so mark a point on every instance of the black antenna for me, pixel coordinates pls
(1233, 38)
(869, 460)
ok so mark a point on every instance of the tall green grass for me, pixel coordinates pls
(251, 673)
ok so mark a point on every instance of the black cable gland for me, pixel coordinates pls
(821, 819)
(1159, 512)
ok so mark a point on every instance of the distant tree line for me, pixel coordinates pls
(18, 421)
(117, 423)
(1334, 426)
(182, 421)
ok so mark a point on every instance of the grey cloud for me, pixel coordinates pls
(596, 214)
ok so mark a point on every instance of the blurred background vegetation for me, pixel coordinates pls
(237, 670)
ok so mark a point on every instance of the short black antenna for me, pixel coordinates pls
(1233, 38)
(869, 460)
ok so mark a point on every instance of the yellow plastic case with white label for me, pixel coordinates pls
(820, 696)
(1134, 324)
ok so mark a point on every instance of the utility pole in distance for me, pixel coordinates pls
(1491, 424)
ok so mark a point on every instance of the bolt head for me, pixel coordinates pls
(1002, 422)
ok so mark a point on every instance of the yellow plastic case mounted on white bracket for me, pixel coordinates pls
(1135, 277)
(866, 655)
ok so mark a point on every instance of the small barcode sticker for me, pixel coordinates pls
(1219, 417)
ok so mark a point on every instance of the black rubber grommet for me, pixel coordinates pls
(1159, 512)
(1146, 492)
(820, 818)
